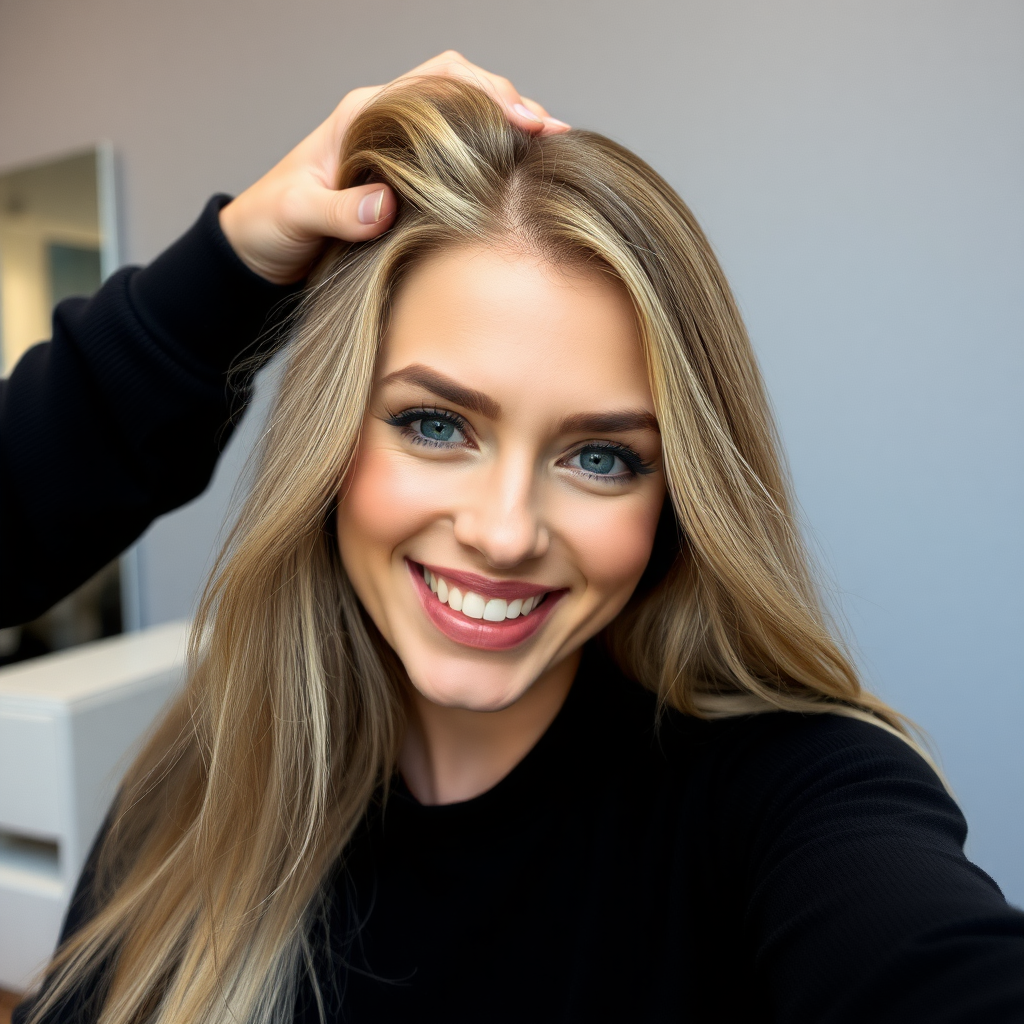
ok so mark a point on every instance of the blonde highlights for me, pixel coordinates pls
(246, 795)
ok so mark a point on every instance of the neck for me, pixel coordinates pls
(450, 754)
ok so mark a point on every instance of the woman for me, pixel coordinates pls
(511, 697)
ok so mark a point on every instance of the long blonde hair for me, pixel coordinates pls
(247, 793)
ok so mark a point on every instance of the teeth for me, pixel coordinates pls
(474, 606)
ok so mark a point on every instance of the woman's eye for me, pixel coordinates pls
(437, 429)
(602, 462)
(423, 426)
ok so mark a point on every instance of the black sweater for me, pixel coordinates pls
(777, 867)
(122, 415)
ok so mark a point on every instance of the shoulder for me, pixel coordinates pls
(803, 843)
(757, 774)
(785, 745)
(768, 772)
(769, 744)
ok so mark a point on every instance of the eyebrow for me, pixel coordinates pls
(609, 422)
(578, 423)
(445, 387)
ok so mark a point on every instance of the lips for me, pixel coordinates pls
(478, 612)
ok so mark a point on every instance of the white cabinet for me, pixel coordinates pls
(69, 723)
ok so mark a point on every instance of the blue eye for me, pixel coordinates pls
(435, 429)
(594, 460)
(431, 427)
(611, 462)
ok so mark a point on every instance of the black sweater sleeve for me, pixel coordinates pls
(862, 905)
(122, 415)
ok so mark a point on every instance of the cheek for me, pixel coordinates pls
(613, 540)
(384, 502)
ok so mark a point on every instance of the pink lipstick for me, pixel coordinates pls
(473, 610)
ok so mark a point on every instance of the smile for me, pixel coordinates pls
(474, 605)
(482, 613)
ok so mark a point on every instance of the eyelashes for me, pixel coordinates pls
(438, 427)
(636, 465)
(440, 417)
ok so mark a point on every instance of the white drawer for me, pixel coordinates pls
(25, 948)
(29, 774)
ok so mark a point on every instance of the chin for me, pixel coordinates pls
(453, 682)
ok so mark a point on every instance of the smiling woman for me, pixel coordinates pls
(506, 495)
(520, 510)
(511, 698)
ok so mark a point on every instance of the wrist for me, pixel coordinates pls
(232, 226)
(261, 245)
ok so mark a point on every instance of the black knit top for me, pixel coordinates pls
(777, 867)
(784, 868)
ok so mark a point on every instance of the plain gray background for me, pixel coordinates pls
(859, 167)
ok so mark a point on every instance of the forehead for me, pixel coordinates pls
(520, 329)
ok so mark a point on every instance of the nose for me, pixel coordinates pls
(499, 515)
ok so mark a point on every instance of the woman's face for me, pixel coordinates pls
(508, 482)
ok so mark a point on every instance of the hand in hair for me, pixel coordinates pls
(277, 226)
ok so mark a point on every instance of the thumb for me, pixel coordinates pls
(353, 214)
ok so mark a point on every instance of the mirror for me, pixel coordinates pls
(58, 238)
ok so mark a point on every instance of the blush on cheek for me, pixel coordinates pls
(614, 543)
(386, 499)
(383, 503)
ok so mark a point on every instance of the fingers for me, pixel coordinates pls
(521, 111)
(277, 225)
(535, 107)
(353, 214)
(552, 126)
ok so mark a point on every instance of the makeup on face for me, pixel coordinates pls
(508, 481)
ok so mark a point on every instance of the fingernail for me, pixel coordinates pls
(370, 207)
(525, 112)
(556, 122)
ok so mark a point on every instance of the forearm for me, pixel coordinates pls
(121, 416)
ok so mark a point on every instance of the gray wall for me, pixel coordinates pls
(858, 165)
